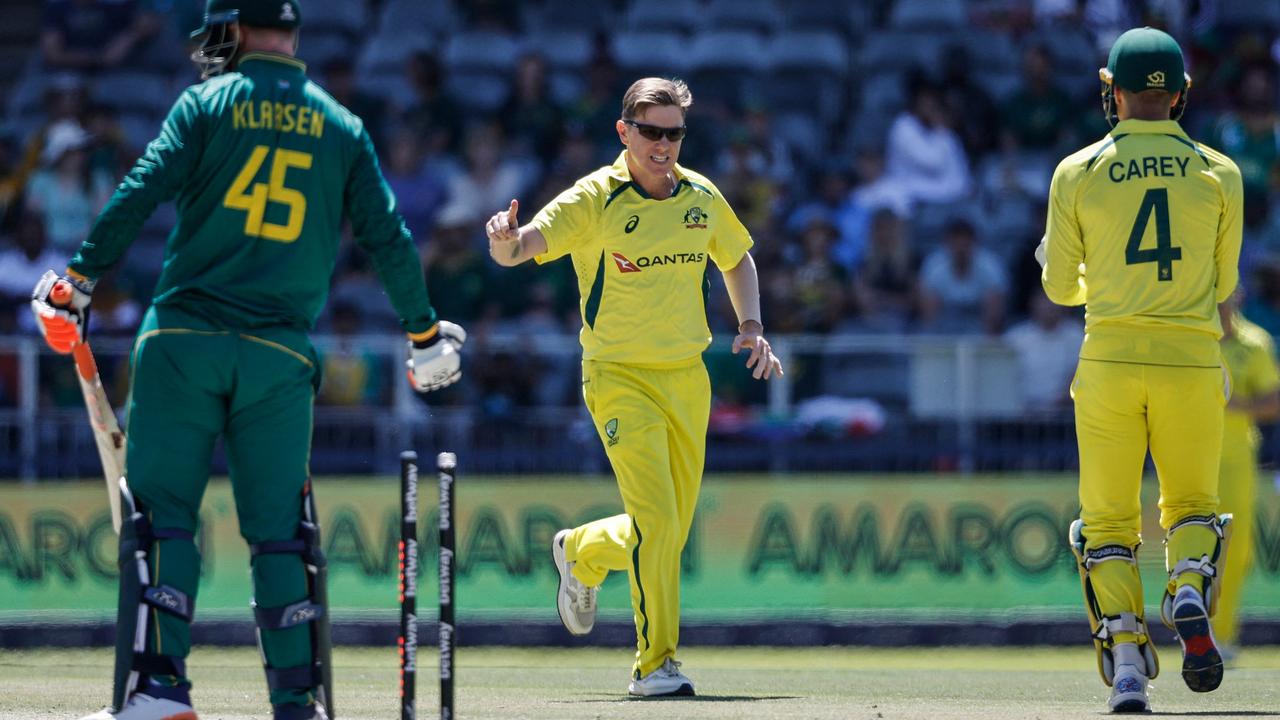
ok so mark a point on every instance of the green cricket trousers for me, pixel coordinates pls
(191, 383)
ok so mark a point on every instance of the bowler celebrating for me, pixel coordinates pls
(641, 234)
(1144, 230)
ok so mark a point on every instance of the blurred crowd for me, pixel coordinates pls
(896, 184)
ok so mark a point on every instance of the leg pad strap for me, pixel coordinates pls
(280, 618)
(298, 676)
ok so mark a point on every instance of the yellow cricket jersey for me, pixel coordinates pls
(641, 262)
(1144, 229)
(1250, 357)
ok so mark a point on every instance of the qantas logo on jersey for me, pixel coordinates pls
(648, 261)
(624, 265)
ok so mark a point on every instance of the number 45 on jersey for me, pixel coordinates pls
(253, 200)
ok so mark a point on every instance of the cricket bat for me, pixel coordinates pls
(106, 431)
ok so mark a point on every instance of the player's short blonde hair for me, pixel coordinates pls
(650, 91)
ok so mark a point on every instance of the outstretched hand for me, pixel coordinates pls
(762, 360)
(503, 230)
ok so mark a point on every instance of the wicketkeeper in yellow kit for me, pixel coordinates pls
(1144, 229)
(641, 234)
(1249, 353)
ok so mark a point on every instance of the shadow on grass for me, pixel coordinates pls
(1215, 714)
(677, 698)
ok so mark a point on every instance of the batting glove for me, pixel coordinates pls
(61, 307)
(435, 363)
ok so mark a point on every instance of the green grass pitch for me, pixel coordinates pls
(565, 684)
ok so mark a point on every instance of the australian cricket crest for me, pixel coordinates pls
(611, 431)
(694, 217)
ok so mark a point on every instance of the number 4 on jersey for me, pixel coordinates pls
(1164, 253)
(253, 200)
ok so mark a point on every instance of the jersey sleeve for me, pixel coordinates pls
(1226, 252)
(1064, 243)
(157, 176)
(731, 240)
(380, 230)
(567, 220)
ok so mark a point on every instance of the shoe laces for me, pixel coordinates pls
(584, 598)
(671, 667)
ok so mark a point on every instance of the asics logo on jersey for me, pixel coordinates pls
(624, 265)
(632, 222)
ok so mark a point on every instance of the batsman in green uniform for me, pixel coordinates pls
(263, 165)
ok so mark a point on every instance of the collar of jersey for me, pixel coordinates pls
(275, 61)
(622, 173)
(1149, 127)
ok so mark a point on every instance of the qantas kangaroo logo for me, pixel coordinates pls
(624, 264)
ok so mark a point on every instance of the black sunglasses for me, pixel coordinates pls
(655, 132)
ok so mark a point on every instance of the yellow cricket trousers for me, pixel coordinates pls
(653, 423)
(1122, 409)
(1237, 491)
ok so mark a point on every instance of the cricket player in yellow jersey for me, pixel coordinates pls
(1144, 230)
(1249, 353)
(641, 233)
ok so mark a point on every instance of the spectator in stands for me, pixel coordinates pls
(820, 284)
(884, 284)
(25, 255)
(593, 111)
(1262, 302)
(419, 187)
(89, 35)
(1047, 345)
(962, 285)
(924, 158)
(489, 179)
(1039, 115)
(746, 183)
(453, 260)
(350, 368)
(577, 156)
(342, 84)
(433, 112)
(530, 117)
(1249, 132)
(854, 215)
(111, 153)
(66, 190)
(968, 101)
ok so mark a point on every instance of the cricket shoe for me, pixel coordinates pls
(1129, 683)
(1201, 660)
(666, 681)
(575, 601)
(145, 707)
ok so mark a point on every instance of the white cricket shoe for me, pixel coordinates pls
(666, 681)
(575, 601)
(1129, 682)
(144, 707)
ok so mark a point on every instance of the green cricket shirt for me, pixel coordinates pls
(262, 163)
